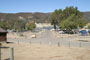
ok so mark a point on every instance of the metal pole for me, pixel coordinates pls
(12, 54)
(18, 41)
(0, 53)
(30, 43)
(58, 44)
(80, 44)
(69, 44)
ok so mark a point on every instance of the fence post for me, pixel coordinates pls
(30, 43)
(18, 41)
(58, 44)
(12, 54)
(0, 53)
(80, 44)
(69, 44)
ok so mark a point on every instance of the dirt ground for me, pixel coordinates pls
(26, 51)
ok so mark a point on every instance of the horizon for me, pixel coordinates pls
(32, 12)
(45, 6)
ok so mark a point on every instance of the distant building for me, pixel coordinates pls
(3, 35)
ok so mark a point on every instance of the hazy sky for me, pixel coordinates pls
(13, 6)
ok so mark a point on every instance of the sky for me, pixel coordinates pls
(45, 6)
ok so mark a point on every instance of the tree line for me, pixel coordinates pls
(69, 18)
(17, 25)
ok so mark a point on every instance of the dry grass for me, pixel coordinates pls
(25, 51)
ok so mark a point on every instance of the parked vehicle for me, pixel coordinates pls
(89, 31)
(68, 32)
(61, 32)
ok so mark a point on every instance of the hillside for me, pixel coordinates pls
(37, 17)
(86, 16)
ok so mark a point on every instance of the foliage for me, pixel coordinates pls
(30, 25)
(67, 24)
(16, 25)
(89, 26)
(68, 18)
(4, 24)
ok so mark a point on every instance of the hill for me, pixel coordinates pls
(37, 17)
(86, 16)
